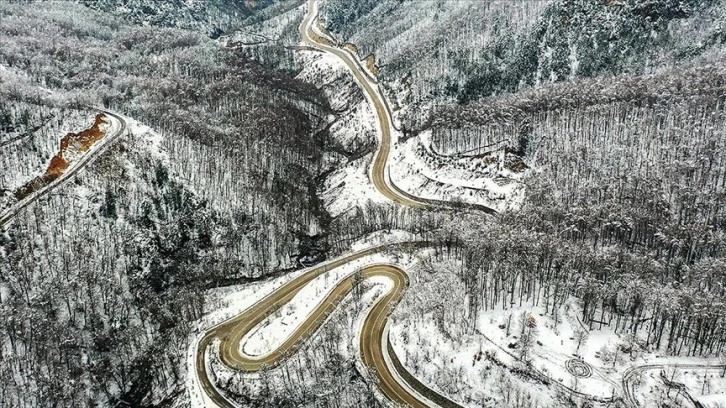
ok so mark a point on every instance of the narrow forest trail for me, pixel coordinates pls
(117, 127)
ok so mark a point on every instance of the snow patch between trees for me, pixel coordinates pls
(475, 180)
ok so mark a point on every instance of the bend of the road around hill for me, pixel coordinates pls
(373, 338)
(116, 129)
(628, 383)
(379, 172)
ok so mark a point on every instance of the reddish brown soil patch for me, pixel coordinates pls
(76, 143)
(326, 34)
(518, 167)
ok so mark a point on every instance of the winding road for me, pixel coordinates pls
(634, 372)
(373, 339)
(396, 384)
(399, 386)
(379, 171)
(374, 346)
(116, 129)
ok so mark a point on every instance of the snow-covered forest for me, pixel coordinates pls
(466, 50)
(593, 132)
(100, 280)
(622, 132)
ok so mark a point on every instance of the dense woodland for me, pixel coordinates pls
(624, 210)
(624, 133)
(214, 17)
(460, 51)
(99, 282)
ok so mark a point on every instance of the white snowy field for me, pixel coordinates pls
(706, 386)
(429, 334)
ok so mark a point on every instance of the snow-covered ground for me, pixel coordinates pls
(347, 324)
(477, 180)
(430, 337)
(554, 344)
(279, 326)
(348, 186)
(481, 365)
(485, 365)
(429, 334)
(412, 165)
(704, 385)
(708, 386)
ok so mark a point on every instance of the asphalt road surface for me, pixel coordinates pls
(379, 171)
(373, 339)
(231, 332)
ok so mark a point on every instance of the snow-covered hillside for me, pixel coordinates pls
(556, 170)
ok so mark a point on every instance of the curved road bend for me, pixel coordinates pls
(379, 171)
(231, 332)
(118, 127)
(371, 342)
(629, 387)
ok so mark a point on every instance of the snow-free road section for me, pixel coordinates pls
(372, 342)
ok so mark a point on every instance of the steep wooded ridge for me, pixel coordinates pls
(214, 17)
(100, 279)
(467, 50)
